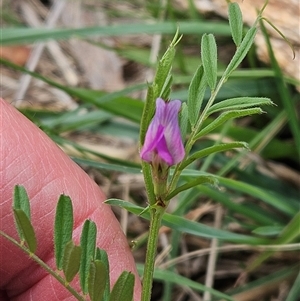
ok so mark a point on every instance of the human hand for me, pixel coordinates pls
(29, 158)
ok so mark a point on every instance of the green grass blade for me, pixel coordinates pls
(108, 166)
(11, 36)
(272, 280)
(295, 290)
(124, 106)
(288, 235)
(267, 196)
(260, 217)
(283, 91)
(183, 225)
(171, 277)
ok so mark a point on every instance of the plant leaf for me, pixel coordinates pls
(239, 103)
(235, 23)
(166, 89)
(97, 280)
(26, 229)
(63, 228)
(183, 120)
(123, 288)
(102, 256)
(226, 116)
(213, 149)
(241, 51)
(71, 260)
(88, 245)
(21, 200)
(209, 59)
(192, 183)
(196, 94)
(162, 76)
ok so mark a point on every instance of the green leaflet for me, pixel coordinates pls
(212, 149)
(226, 116)
(209, 59)
(97, 280)
(162, 77)
(123, 288)
(88, 246)
(196, 94)
(198, 181)
(239, 103)
(71, 260)
(235, 23)
(102, 256)
(63, 228)
(241, 52)
(21, 200)
(25, 229)
(21, 203)
(183, 120)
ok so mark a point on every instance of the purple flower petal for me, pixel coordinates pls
(163, 138)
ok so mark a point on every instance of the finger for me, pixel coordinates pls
(31, 159)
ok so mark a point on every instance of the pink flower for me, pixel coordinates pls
(163, 139)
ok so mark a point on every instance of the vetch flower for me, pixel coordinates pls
(163, 139)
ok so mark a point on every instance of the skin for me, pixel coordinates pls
(28, 157)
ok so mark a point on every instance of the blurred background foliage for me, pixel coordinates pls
(79, 70)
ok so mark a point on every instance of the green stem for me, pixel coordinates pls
(156, 213)
(44, 266)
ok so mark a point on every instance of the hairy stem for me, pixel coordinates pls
(44, 266)
(156, 213)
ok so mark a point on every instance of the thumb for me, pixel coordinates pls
(30, 158)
